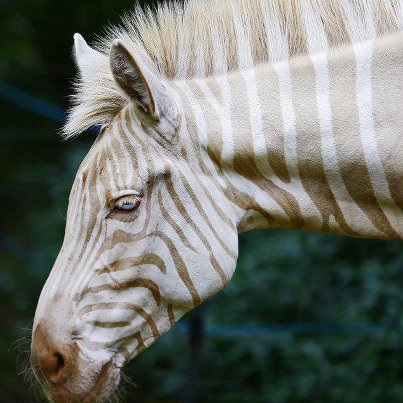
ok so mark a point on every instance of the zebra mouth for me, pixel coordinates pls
(106, 383)
(108, 379)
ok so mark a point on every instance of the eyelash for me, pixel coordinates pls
(125, 214)
(126, 204)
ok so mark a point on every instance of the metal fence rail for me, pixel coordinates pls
(32, 103)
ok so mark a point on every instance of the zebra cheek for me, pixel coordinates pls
(202, 282)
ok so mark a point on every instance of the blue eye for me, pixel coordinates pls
(127, 203)
(127, 206)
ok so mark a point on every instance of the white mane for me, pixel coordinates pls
(209, 37)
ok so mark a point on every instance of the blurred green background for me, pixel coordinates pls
(307, 317)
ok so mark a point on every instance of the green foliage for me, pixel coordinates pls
(283, 278)
(288, 278)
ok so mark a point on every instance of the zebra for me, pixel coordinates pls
(216, 117)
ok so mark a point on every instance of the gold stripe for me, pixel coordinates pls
(269, 94)
(185, 214)
(309, 146)
(125, 263)
(140, 343)
(387, 73)
(136, 283)
(109, 325)
(206, 219)
(120, 236)
(348, 139)
(123, 305)
(247, 202)
(171, 315)
(180, 266)
(245, 160)
(214, 142)
(173, 224)
(216, 207)
(95, 204)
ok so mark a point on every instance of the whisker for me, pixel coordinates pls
(25, 370)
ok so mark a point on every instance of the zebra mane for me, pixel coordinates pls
(200, 38)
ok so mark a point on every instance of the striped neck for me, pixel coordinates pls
(306, 143)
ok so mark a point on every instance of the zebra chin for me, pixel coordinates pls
(96, 389)
(68, 374)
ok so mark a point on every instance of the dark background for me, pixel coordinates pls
(307, 317)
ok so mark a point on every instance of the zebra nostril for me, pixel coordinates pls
(48, 358)
(58, 363)
(52, 365)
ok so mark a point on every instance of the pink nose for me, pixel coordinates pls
(49, 361)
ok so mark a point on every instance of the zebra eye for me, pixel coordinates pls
(126, 204)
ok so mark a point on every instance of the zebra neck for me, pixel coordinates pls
(308, 143)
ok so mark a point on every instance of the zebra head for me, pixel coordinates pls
(146, 240)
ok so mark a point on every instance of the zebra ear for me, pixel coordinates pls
(87, 58)
(138, 82)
